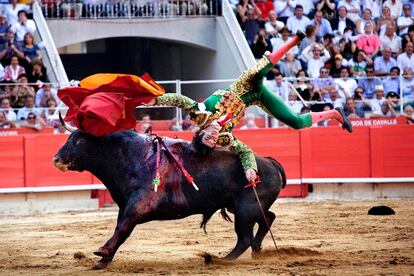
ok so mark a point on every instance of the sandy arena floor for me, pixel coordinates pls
(312, 237)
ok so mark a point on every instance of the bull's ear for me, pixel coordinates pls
(65, 125)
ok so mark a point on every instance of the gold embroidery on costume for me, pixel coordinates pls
(225, 139)
(200, 117)
(244, 83)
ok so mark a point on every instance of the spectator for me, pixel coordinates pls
(9, 49)
(44, 94)
(327, 7)
(409, 114)
(146, 124)
(361, 104)
(385, 111)
(408, 37)
(29, 50)
(20, 92)
(4, 27)
(395, 7)
(384, 63)
(289, 66)
(322, 26)
(359, 63)
(14, 70)
(308, 40)
(370, 82)
(8, 111)
(406, 59)
(49, 114)
(308, 6)
(280, 41)
(294, 102)
(6, 89)
(299, 22)
(12, 11)
(339, 62)
(334, 98)
(405, 21)
(346, 84)
(242, 7)
(251, 26)
(285, 9)
(369, 42)
(33, 121)
(302, 85)
(339, 23)
(264, 6)
(29, 107)
(37, 72)
(273, 26)
(353, 9)
(373, 6)
(324, 83)
(4, 122)
(392, 83)
(391, 40)
(279, 87)
(393, 99)
(315, 60)
(385, 20)
(250, 122)
(350, 110)
(261, 44)
(379, 98)
(346, 44)
(23, 26)
(408, 85)
(366, 17)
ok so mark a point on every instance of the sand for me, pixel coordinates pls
(330, 237)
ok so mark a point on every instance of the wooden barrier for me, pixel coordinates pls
(318, 153)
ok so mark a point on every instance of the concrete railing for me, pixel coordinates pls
(53, 61)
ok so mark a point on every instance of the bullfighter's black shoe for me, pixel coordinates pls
(301, 35)
(346, 124)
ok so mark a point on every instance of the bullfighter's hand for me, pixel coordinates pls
(251, 175)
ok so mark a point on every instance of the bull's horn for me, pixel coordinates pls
(65, 125)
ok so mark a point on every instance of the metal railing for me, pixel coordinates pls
(128, 9)
(184, 87)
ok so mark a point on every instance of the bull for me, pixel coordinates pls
(125, 162)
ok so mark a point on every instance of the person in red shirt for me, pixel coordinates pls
(264, 6)
(369, 42)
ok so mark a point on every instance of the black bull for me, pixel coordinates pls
(125, 162)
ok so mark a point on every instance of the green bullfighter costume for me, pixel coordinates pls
(227, 106)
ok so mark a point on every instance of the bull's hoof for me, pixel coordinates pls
(256, 253)
(102, 252)
(102, 264)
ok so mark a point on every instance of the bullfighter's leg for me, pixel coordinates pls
(262, 231)
(244, 221)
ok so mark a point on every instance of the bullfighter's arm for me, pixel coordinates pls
(177, 100)
(246, 155)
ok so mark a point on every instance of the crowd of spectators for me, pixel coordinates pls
(24, 88)
(358, 53)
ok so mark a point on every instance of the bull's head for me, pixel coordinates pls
(77, 152)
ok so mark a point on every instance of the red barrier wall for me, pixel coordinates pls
(386, 151)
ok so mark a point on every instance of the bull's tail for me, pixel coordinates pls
(281, 170)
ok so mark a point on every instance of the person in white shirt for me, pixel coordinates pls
(280, 41)
(406, 59)
(373, 6)
(8, 111)
(345, 84)
(353, 7)
(285, 8)
(273, 26)
(23, 26)
(299, 22)
(12, 10)
(378, 99)
(315, 60)
(391, 40)
(395, 7)
(29, 107)
(308, 5)
(406, 20)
